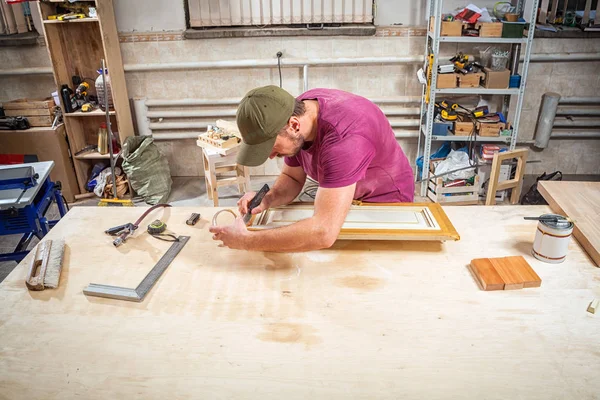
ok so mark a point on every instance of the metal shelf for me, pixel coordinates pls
(510, 95)
(479, 90)
(472, 138)
(476, 39)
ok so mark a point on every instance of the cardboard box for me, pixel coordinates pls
(496, 79)
(490, 129)
(463, 128)
(448, 28)
(470, 80)
(446, 81)
(489, 29)
(48, 145)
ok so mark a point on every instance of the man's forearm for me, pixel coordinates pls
(304, 235)
(284, 191)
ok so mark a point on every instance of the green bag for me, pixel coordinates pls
(147, 169)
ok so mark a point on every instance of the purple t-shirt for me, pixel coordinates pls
(355, 144)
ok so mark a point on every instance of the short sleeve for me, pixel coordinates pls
(292, 161)
(344, 162)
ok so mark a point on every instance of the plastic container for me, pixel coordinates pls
(515, 81)
(100, 90)
(513, 29)
(102, 139)
(499, 62)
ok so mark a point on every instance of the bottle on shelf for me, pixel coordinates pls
(103, 139)
(102, 99)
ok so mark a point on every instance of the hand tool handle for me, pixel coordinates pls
(255, 202)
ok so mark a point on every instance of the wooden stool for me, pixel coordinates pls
(214, 164)
(515, 184)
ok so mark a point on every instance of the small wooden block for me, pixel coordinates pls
(593, 306)
(486, 274)
(522, 267)
(512, 279)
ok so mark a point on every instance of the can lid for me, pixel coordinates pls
(561, 224)
(103, 125)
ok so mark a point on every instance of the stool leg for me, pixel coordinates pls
(247, 179)
(239, 171)
(212, 176)
(207, 175)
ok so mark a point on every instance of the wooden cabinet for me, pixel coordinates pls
(76, 48)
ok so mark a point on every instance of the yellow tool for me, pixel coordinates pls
(448, 112)
(87, 107)
(70, 16)
(429, 68)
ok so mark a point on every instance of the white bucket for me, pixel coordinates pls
(552, 240)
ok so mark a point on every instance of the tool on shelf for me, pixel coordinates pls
(125, 230)
(448, 111)
(255, 202)
(46, 265)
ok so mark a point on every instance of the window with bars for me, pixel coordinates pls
(223, 13)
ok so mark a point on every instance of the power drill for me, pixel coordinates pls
(81, 94)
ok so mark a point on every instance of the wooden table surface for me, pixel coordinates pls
(363, 320)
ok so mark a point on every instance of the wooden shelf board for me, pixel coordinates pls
(94, 155)
(71, 21)
(96, 113)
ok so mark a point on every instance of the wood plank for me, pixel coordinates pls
(114, 61)
(20, 20)
(510, 276)
(527, 274)
(579, 201)
(362, 320)
(30, 112)
(486, 275)
(26, 104)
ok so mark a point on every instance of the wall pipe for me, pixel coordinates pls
(202, 125)
(399, 134)
(545, 120)
(305, 77)
(565, 112)
(297, 63)
(236, 101)
(579, 100)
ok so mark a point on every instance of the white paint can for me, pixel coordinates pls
(552, 240)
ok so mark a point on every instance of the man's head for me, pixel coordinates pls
(269, 120)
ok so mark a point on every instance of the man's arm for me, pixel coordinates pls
(317, 232)
(287, 186)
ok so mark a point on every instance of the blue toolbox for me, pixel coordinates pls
(26, 193)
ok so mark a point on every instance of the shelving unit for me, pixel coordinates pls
(76, 48)
(432, 45)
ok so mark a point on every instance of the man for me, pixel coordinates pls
(342, 141)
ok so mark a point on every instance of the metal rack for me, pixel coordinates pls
(432, 45)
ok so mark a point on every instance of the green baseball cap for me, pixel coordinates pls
(262, 113)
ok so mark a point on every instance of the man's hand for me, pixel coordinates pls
(232, 236)
(245, 200)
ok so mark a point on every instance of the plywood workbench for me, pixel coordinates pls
(363, 320)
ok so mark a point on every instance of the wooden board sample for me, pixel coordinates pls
(486, 274)
(504, 273)
(579, 201)
(383, 221)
